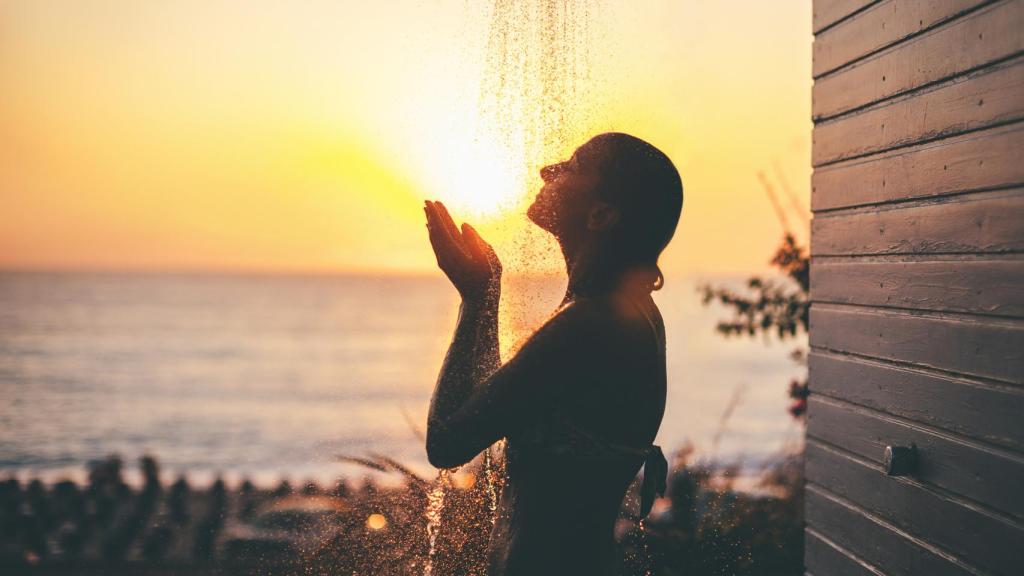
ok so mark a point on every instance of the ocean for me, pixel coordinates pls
(271, 376)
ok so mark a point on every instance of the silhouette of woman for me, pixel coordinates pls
(581, 402)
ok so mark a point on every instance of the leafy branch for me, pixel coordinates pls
(771, 307)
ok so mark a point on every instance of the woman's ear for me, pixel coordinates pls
(602, 216)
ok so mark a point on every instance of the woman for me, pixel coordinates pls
(581, 402)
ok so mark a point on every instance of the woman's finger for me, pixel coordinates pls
(474, 242)
(436, 225)
(485, 248)
(433, 227)
(439, 239)
(451, 254)
(449, 223)
(439, 224)
(485, 245)
(458, 244)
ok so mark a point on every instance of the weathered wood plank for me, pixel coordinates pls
(879, 26)
(828, 12)
(967, 345)
(985, 222)
(989, 413)
(989, 97)
(874, 540)
(991, 158)
(987, 541)
(991, 287)
(821, 557)
(986, 35)
(984, 475)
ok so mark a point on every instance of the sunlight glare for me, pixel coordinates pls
(482, 180)
(376, 521)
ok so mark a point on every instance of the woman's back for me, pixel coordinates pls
(569, 468)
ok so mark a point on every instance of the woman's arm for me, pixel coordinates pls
(513, 396)
(476, 402)
(469, 361)
(474, 269)
(486, 348)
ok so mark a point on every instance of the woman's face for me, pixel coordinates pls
(564, 200)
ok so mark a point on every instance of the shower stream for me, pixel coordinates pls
(537, 101)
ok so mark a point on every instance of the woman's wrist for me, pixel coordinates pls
(485, 303)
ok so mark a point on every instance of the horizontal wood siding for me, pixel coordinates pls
(987, 285)
(917, 288)
(877, 542)
(993, 33)
(983, 222)
(972, 535)
(881, 25)
(956, 344)
(973, 409)
(829, 558)
(989, 97)
(975, 161)
(986, 475)
(828, 12)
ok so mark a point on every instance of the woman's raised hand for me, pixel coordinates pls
(469, 262)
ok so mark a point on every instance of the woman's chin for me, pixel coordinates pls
(541, 217)
(533, 213)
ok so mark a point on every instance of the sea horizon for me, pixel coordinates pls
(266, 375)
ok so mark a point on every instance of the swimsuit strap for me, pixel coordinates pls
(655, 478)
(607, 448)
(654, 463)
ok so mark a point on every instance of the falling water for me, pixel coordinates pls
(537, 96)
(531, 103)
(538, 100)
(491, 472)
(435, 506)
(644, 550)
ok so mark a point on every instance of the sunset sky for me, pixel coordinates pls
(304, 136)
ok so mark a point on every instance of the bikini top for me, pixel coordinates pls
(560, 436)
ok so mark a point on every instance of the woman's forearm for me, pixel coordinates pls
(473, 346)
(488, 353)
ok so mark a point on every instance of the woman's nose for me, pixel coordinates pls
(548, 173)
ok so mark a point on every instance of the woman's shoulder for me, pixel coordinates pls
(594, 323)
(589, 314)
(612, 310)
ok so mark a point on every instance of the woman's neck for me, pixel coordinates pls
(594, 271)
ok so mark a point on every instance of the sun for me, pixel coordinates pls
(483, 180)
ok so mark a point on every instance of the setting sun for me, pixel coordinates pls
(478, 178)
(261, 138)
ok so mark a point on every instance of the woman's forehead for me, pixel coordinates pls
(590, 154)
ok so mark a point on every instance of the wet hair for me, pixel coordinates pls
(645, 186)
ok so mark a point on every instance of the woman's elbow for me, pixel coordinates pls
(441, 459)
(442, 451)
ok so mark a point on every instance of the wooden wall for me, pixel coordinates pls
(917, 288)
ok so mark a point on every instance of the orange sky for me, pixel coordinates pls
(304, 136)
